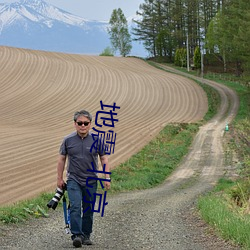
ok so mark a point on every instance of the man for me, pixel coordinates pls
(82, 156)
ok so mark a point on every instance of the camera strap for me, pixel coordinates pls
(66, 213)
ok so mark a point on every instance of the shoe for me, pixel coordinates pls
(86, 240)
(77, 241)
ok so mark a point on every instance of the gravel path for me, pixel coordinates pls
(160, 218)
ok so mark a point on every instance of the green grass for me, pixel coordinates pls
(25, 210)
(230, 224)
(244, 94)
(156, 160)
(213, 100)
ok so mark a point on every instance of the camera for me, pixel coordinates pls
(58, 195)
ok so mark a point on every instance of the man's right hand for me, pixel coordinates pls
(61, 184)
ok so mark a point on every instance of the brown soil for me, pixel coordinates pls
(40, 91)
(36, 119)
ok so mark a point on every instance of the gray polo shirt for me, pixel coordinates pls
(81, 153)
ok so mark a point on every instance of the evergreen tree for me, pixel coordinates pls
(180, 58)
(197, 58)
(177, 59)
(119, 34)
(146, 26)
(183, 57)
(167, 24)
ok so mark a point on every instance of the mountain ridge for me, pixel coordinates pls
(36, 10)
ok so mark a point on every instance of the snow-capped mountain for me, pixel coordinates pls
(36, 24)
(36, 11)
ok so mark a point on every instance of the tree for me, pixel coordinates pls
(216, 39)
(164, 26)
(228, 34)
(146, 26)
(241, 37)
(107, 52)
(119, 34)
(177, 58)
(197, 58)
(181, 57)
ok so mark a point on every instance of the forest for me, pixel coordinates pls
(181, 31)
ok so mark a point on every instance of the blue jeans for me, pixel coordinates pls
(81, 223)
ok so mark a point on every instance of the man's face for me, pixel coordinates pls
(82, 125)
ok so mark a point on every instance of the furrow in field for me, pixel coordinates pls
(40, 91)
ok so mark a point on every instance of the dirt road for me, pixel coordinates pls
(159, 218)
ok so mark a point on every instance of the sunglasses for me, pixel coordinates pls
(83, 123)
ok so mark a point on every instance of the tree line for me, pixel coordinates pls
(169, 29)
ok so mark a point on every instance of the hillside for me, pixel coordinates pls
(40, 91)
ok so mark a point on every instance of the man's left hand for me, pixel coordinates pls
(107, 185)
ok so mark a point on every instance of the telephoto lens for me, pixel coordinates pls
(54, 201)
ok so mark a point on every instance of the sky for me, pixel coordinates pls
(99, 10)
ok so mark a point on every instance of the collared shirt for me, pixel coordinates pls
(81, 156)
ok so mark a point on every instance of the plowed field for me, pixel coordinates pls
(40, 91)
